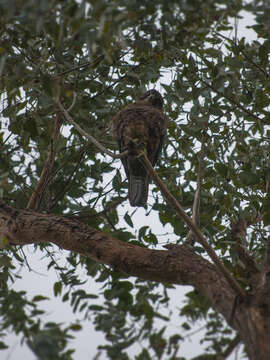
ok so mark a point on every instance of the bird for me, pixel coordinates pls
(140, 125)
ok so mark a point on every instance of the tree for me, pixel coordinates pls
(91, 58)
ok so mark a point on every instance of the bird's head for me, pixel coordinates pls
(154, 97)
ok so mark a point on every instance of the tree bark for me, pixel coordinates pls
(178, 265)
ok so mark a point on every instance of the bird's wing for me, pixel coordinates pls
(118, 124)
(158, 123)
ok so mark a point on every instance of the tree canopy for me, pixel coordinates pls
(94, 57)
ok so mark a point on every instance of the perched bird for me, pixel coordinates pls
(141, 125)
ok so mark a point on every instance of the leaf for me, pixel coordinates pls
(127, 285)
(128, 219)
(144, 355)
(249, 178)
(57, 288)
(5, 260)
(215, 110)
(75, 327)
(266, 219)
(222, 169)
(3, 345)
(142, 232)
(65, 297)
(38, 298)
(96, 307)
(151, 238)
(4, 241)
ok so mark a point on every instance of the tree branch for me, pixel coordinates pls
(236, 341)
(91, 64)
(44, 179)
(196, 203)
(244, 53)
(182, 214)
(86, 214)
(68, 181)
(231, 100)
(238, 235)
(183, 267)
(267, 253)
(88, 136)
(263, 285)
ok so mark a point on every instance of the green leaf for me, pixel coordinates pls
(3, 345)
(249, 178)
(142, 232)
(96, 307)
(222, 169)
(38, 298)
(57, 288)
(75, 327)
(151, 238)
(128, 219)
(266, 219)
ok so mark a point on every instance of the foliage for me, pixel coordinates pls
(213, 83)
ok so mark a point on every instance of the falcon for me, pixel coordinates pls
(141, 125)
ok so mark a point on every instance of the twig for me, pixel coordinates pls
(91, 64)
(250, 113)
(86, 214)
(244, 53)
(196, 203)
(230, 99)
(193, 227)
(73, 101)
(67, 185)
(231, 347)
(36, 196)
(88, 136)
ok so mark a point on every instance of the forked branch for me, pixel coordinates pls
(193, 227)
(170, 199)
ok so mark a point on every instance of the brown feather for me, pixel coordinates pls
(143, 124)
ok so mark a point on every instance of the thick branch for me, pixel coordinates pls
(263, 285)
(238, 235)
(182, 214)
(180, 266)
(267, 253)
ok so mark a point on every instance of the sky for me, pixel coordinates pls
(38, 280)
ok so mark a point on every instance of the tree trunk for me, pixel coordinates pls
(255, 326)
(178, 265)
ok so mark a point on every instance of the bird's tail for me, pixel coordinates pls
(138, 190)
(138, 183)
